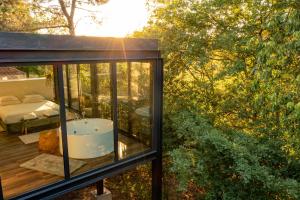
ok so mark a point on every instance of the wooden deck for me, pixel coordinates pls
(17, 180)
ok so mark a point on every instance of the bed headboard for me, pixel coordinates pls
(22, 87)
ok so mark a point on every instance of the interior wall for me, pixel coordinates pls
(19, 88)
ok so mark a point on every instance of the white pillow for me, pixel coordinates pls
(9, 100)
(33, 98)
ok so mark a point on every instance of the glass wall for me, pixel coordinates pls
(29, 129)
(90, 131)
(34, 142)
(134, 89)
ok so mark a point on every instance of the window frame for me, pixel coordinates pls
(118, 165)
(27, 49)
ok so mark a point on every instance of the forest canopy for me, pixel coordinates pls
(232, 96)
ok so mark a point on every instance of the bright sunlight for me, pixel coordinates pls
(118, 18)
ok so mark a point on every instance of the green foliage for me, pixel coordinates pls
(232, 95)
(134, 184)
(29, 16)
(14, 14)
(229, 164)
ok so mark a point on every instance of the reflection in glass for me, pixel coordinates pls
(104, 90)
(134, 107)
(71, 87)
(85, 88)
(90, 131)
(66, 83)
(29, 121)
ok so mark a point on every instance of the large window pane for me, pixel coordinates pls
(29, 124)
(134, 90)
(90, 132)
(89, 126)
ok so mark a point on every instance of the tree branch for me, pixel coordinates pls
(64, 9)
(92, 11)
(73, 6)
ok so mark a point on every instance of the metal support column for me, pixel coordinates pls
(157, 179)
(1, 191)
(100, 187)
(115, 108)
(63, 125)
(157, 130)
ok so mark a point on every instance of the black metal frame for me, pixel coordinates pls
(23, 57)
(1, 191)
(100, 187)
(157, 130)
(63, 120)
(113, 66)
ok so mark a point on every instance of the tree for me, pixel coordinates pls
(50, 15)
(231, 77)
(8, 17)
(22, 16)
(72, 5)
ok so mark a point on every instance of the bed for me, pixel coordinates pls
(12, 117)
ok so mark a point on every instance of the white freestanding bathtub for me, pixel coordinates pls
(89, 138)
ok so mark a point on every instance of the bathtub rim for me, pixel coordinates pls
(70, 134)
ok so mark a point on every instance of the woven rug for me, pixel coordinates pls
(51, 164)
(30, 138)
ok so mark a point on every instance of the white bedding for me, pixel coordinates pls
(14, 113)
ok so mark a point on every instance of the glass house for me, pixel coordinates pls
(76, 110)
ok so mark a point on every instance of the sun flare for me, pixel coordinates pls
(118, 19)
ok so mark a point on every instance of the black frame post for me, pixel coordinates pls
(1, 190)
(100, 187)
(157, 127)
(115, 107)
(63, 124)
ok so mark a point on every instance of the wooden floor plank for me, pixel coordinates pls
(17, 180)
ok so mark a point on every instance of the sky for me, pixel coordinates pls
(119, 18)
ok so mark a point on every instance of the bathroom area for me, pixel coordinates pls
(89, 91)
